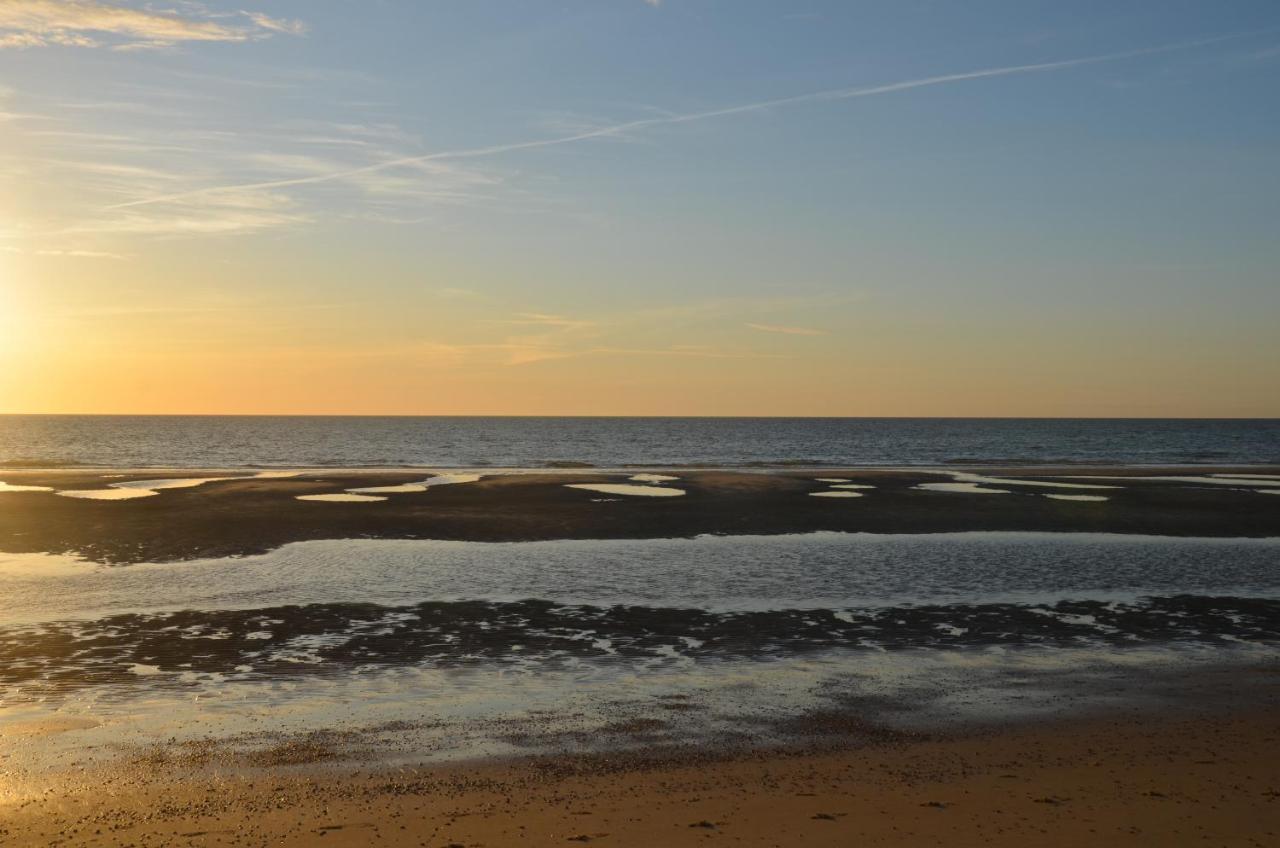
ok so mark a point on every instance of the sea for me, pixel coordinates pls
(531, 442)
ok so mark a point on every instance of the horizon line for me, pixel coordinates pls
(641, 416)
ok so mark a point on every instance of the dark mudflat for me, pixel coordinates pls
(247, 516)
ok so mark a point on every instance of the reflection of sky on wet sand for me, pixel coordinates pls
(964, 477)
(1078, 497)
(452, 479)
(839, 487)
(424, 485)
(108, 494)
(716, 572)
(1243, 480)
(341, 497)
(425, 714)
(132, 489)
(960, 488)
(171, 483)
(469, 709)
(9, 487)
(628, 489)
(403, 488)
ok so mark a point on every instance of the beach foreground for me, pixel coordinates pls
(1129, 779)
(1019, 656)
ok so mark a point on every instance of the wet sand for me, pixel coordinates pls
(255, 515)
(1211, 778)
(62, 657)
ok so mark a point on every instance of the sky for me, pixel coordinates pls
(633, 207)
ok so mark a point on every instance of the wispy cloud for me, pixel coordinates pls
(173, 173)
(90, 23)
(540, 336)
(1266, 54)
(557, 337)
(267, 22)
(514, 354)
(228, 214)
(539, 319)
(789, 331)
(619, 129)
(83, 254)
(166, 153)
(460, 294)
(685, 352)
(200, 309)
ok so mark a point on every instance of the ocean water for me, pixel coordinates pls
(468, 442)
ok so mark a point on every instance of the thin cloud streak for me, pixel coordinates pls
(83, 254)
(26, 24)
(163, 157)
(789, 331)
(614, 130)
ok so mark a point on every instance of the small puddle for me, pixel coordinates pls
(131, 489)
(344, 497)
(963, 477)
(108, 494)
(422, 486)
(171, 483)
(961, 489)
(8, 487)
(403, 488)
(628, 489)
(1242, 481)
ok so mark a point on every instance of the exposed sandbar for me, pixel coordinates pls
(257, 514)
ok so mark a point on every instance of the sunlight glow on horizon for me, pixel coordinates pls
(12, 318)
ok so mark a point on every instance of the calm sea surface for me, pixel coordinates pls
(211, 441)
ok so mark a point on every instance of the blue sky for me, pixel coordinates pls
(555, 197)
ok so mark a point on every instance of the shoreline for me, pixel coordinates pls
(389, 714)
(1129, 775)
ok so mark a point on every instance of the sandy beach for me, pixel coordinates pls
(363, 688)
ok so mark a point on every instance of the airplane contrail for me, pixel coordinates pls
(667, 120)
